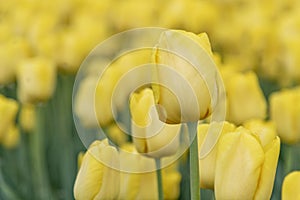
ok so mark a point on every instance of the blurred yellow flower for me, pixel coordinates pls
(36, 80)
(12, 52)
(8, 112)
(175, 40)
(27, 117)
(244, 165)
(97, 178)
(116, 134)
(290, 186)
(285, 112)
(245, 97)
(11, 138)
(150, 135)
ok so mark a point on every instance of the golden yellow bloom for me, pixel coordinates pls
(285, 112)
(150, 135)
(143, 184)
(177, 103)
(84, 106)
(8, 112)
(36, 80)
(97, 178)
(244, 169)
(290, 186)
(27, 117)
(245, 98)
(207, 165)
(11, 52)
(11, 138)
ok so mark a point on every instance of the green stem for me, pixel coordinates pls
(194, 162)
(288, 162)
(159, 179)
(38, 154)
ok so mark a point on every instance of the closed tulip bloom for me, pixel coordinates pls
(178, 104)
(150, 135)
(11, 138)
(138, 182)
(207, 165)
(285, 112)
(290, 186)
(84, 103)
(8, 112)
(27, 117)
(36, 80)
(97, 178)
(244, 169)
(245, 98)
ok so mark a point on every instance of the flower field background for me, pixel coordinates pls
(255, 45)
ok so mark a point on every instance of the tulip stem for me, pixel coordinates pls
(159, 179)
(194, 163)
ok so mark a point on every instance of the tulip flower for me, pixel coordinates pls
(98, 177)
(285, 112)
(180, 104)
(27, 117)
(207, 165)
(11, 138)
(150, 135)
(138, 181)
(36, 80)
(245, 97)
(290, 186)
(244, 169)
(8, 112)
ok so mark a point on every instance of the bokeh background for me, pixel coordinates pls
(43, 43)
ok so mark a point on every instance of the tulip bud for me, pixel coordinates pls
(8, 112)
(150, 135)
(207, 165)
(290, 186)
(244, 165)
(138, 183)
(245, 97)
(97, 178)
(11, 138)
(36, 80)
(27, 117)
(177, 103)
(285, 112)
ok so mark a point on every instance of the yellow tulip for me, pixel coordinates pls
(150, 135)
(36, 80)
(98, 177)
(290, 186)
(11, 138)
(84, 106)
(11, 52)
(207, 165)
(245, 98)
(285, 112)
(8, 112)
(244, 169)
(27, 117)
(138, 183)
(195, 88)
